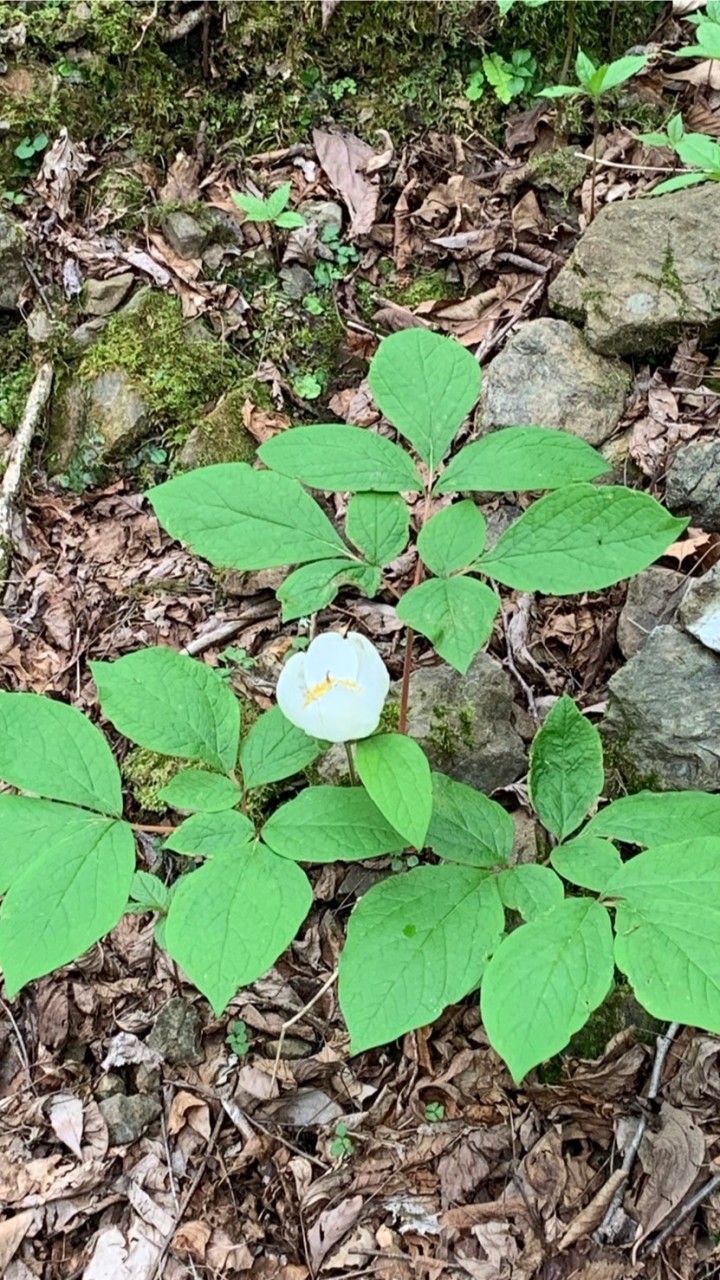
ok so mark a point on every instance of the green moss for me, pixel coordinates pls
(669, 280)
(451, 731)
(429, 286)
(145, 773)
(560, 168)
(221, 435)
(622, 776)
(389, 717)
(618, 1011)
(16, 377)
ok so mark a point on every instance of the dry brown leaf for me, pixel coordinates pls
(703, 74)
(672, 1157)
(224, 1255)
(63, 165)
(149, 267)
(12, 1234)
(327, 9)
(114, 1257)
(592, 1215)
(331, 1226)
(356, 405)
(527, 215)
(66, 1118)
(342, 156)
(261, 424)
(127, 1050)
(182, 180)
(187, 1109)
(7, 636)
(192, 1237)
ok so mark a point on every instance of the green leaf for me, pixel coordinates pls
(499, 74)
(245, 519)
(313, 586)
(52, 749)
(230, 920)
(708, 43)
(658, 817)
(544, 981)
(32, 828)
(278, 199)
(396, 775)
(330, 824)
(255, 210)
(678, 183)
(171, 704)
(667, 928)
(415, 943)
(581, 538)
(378, 524)
(195, 789)
(426, 385)
(584, 68)
(699, 150)
(456, 614)
(149, 892)
(530, 889)
(566, 768)
(587, 861)
(289, 220)
(275, 749)
(467, 826)
(339, 458)
(453, 538)
(211, 835)
(675, 128)
(559, 91)
(518, 459)
(68, 897)
(621, 70)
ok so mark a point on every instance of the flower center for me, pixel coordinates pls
(325, 686)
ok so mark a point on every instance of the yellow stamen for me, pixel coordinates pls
(330, 682)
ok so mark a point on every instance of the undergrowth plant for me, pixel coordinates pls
(458, 915)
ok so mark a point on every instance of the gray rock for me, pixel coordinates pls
(185, 234)
(100, 297)
(127, 1118)
(86, 335)
(13, 276)
(296, 281)
(652, 599)
(117, 411)
(176, 1033)
(321, 214)
(40, 326)
(109, 1085)
(463, 723)
(664, 712)
(547, 376)
(699, 612)
(645, 273)
(693, 484)
(220, 436)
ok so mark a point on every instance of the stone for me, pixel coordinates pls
(109, 1085)
(548, 376)
(652, 599)
(297, 281)
(176, 1033)
(693, 484)
(321, 214)
(127, 1118)
(664, 713)
(116, 411)
(100, 297)
(220, 436)
(184, 234)
(463, 723)
(41, 327)
(86, 335)
(699, 612)
(645, 273)
(13, 276)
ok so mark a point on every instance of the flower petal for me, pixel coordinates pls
(342, 714)
(372, 672)
(292, 691)
(330, 655)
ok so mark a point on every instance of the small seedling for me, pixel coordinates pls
(237, 1038)
(342, 257)
(510, 79)
(342, 1145)
(13, 197)
(309, 386)
(232, 657)
(673, 132)
(699, 151)
(475, 87)
(273, 210)
(340, 89)
(434, 1112)
(313, 305)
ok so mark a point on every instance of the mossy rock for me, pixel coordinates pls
(618, 1011)
(220, 436)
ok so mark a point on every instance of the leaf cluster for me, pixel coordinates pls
(274, 209)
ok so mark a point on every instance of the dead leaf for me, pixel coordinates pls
(192, 1237)
(672, 1157)
(327, 9)
(304, 1108)
(66, 1118)
(342, 156)
(114, 1256)
(331, 1226)
(262, 424)
(592, 1215)
(182, 180)
(223, 1254)
(12, 1234)
(7, 636)
(705, 73)
(187, 1109)
(527, 215)
(127, 1050)
(143, 262)
(383, 158)
(356, 405)
(63, 165)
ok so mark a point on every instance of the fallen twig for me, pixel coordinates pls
(608, 1226)
(298, 1017)
(197, 1178)
(494, 339)
(682, 1212)
(19, 450)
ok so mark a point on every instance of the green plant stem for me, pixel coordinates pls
(409, 633)
(594, 158)
(351, 763)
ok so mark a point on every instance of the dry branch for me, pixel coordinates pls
(19, 450)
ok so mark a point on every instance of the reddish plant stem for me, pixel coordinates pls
(159, 830)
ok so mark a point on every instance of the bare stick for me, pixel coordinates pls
(19, 450)
(298, 1017)
(663, 1043)
(197, 1178)
(683, 1211)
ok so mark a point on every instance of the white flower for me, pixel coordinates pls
(335, 689)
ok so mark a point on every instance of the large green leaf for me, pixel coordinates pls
(517, 459)
(467, 826)
(530, 889)
(581, 538)
(699, 150)
(210, 835)
(587, 861)
(230, 920)
(396, 775)
(196, 789)
(330, 824)
(667, 927)
(708, 45)
(248, 519)
(53, 750)
(544, 981)
(172, 704)
(378, 523)
(31, 828)
(68, 896)
(426, 385)
(275, 749)
(415, 943)
(621, 70)
(566, 768)
(658, 817)
(456, 614)
(313, 586)
(339, 458)
(453, 538)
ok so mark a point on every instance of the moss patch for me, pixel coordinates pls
(16, 377)
(451, 731)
